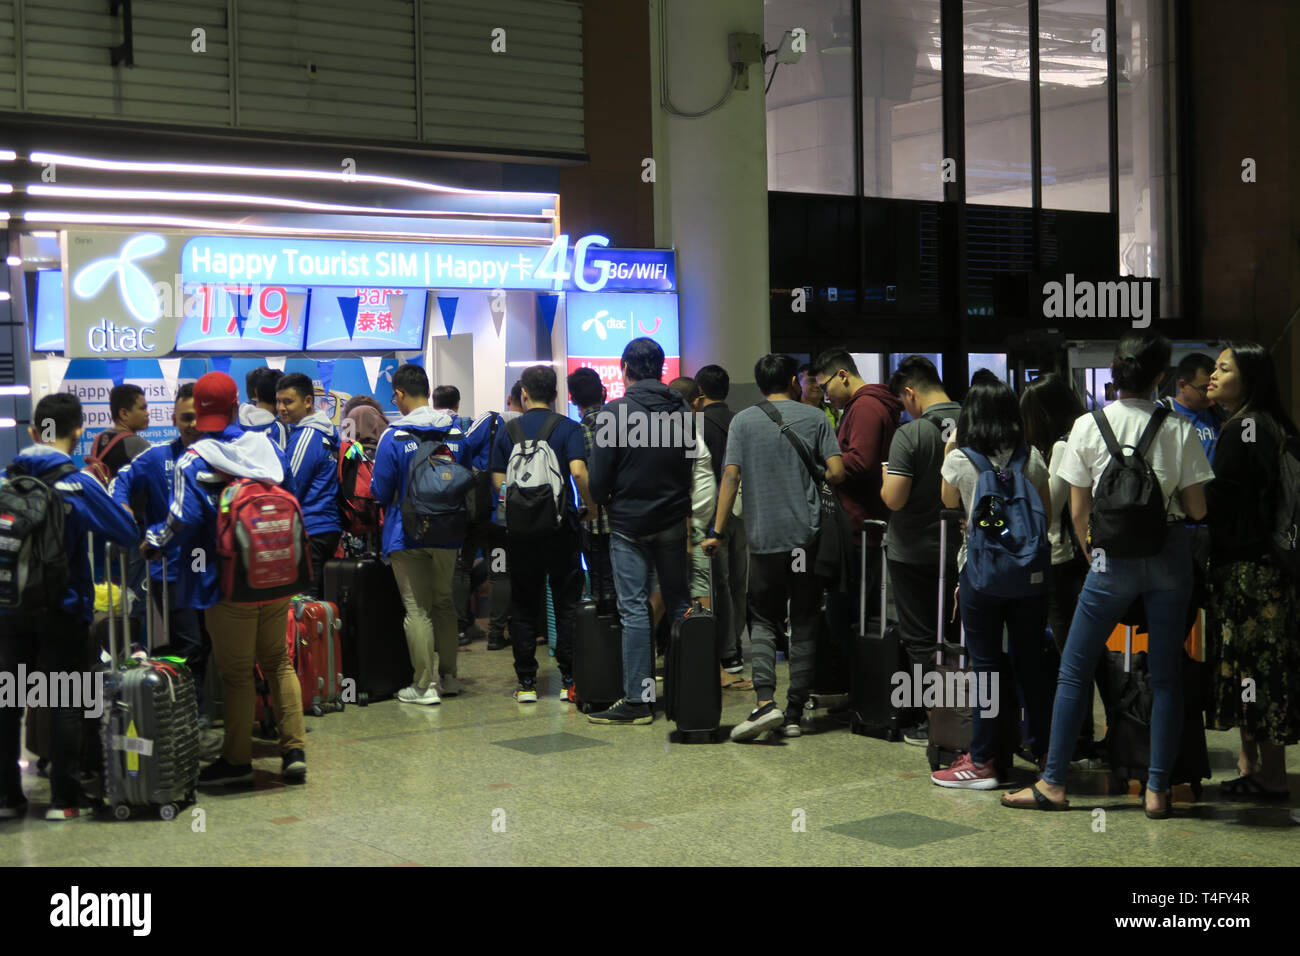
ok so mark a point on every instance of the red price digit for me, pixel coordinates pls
(281, 314)
(206, 325)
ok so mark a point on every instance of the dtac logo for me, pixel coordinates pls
(595, 324)
(137, 291)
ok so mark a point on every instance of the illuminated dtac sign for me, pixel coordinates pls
(112, 304)
(589, 266)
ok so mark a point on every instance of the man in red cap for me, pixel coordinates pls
(247, 625)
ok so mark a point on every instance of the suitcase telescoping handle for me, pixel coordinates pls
(113, 648)
(945, 515)
(148, 610)
(884, 578)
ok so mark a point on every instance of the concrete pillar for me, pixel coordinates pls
(710, 198)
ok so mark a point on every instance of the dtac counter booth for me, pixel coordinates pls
(158, 307)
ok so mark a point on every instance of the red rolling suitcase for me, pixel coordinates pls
(314, 636)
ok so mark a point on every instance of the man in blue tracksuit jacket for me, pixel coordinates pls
(313, 454)
(57, 640)
(242, 633)
(424, 575)
(145, 486)
(258, 415)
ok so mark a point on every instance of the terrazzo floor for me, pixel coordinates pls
(481, 780)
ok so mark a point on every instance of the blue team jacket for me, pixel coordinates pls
(149, 477)
(254, 419)
(393, 456)
(313, 475)
(87, 508)
(191, 522)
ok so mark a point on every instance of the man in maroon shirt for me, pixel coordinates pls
(867, 426)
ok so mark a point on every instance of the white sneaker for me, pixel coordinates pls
(410, 695)
(449, 685)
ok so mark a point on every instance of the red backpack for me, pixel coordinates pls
(357, 506)
(96, 461)
(262, 542)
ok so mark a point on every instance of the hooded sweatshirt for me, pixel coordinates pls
(87, 508)
(191, 524)
(392, 460)
(313, 472)
(865, 433)
(255, 419)
(646, 489)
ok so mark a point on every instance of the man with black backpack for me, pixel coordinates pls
(243, 546)
(537, 460)
(424, 494)
(47, 506)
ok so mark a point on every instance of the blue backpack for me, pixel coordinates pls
(1007, 551)
(435, 510)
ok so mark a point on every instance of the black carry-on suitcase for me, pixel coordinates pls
(597, 659)
(1129, 741)
(692, 677)
(873, 661)
(150, 726)
(375, 653)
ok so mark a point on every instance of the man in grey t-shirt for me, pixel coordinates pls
(782, 514)
(911, 491)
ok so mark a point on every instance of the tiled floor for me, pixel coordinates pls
(483, 780)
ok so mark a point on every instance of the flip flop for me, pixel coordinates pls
(1041, 801)
(743, 684)
(1248, 788)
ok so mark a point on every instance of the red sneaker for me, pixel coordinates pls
(965, 775)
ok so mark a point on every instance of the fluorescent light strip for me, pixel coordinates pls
(6, 188)
(212, 169)
(8, 422)
(4, 297)
(13, 261)
(164, 195)
(183, 222)
(527, 364)
(15, 389)
(7, 155)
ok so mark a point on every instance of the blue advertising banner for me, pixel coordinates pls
(588, 266)
(356, 319)
(601, 324)
(90, 380)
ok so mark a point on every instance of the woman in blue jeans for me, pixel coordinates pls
(1163, 579)
(990, 425)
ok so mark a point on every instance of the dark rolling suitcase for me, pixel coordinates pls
(873, 660)
(692, 683)
(1129, 740)
(374, 649)
(597, 659)
(150, 728)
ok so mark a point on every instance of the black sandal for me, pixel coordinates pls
(1248, 788)
(1041, 801)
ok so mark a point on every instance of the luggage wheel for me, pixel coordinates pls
(363, 699)
(317, 710)
(122, 812)
(168, 811)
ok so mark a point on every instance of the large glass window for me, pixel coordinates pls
(995, 35)
(902, 99)
(1072, 86)
(810, 124)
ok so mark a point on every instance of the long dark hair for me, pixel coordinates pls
(1139, 358)
(1049, 407)
(990, 419)
(1259, 389)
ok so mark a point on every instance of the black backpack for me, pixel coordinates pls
(1128, 508)
(33, 556)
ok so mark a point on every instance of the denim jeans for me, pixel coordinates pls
(1025, 619)
(633, 560)
(1165, 583)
